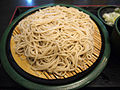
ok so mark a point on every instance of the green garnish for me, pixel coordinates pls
(112, 16)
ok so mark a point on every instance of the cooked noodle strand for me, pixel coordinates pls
(55, 39)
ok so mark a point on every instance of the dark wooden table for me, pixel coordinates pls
(110, 77)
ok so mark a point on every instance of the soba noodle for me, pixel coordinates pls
(55, 39)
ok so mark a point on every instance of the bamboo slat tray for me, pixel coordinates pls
(43, 74)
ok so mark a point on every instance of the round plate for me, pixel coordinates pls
(77, 84)
(117, 25)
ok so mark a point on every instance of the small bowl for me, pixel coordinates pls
(105, 9)
(115, 37)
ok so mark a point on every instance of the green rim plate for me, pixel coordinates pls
(80, 83)
(116, 26)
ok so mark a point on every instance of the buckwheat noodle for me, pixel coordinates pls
(55, 39)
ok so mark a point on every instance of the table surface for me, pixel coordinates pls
(110, 77)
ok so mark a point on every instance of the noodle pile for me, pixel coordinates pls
(55, 39)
